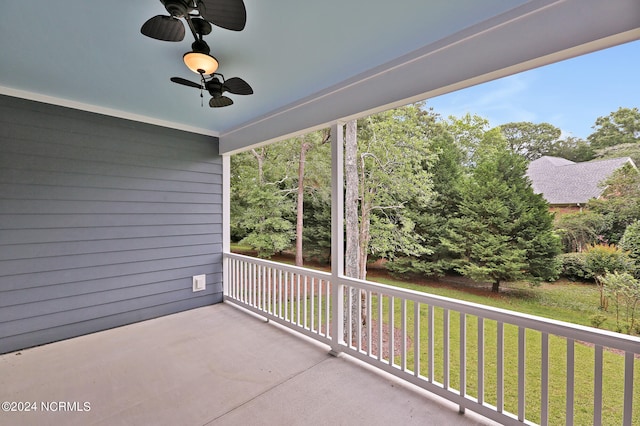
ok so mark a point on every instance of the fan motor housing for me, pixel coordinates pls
(177, 8)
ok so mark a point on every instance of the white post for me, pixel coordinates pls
(226, 215)
(337, 236)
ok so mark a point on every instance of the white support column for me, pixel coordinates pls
(226, 216)
(337, 236)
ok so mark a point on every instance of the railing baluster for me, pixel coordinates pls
(306, 300)
(380, 321)
(369, 313)
(597, 386)
(349, 316)
(319, 310)
(272, 288)
(252, 285)
(292, 297)
(521, 374)
(392, 304)
(445, 349)
(327, 308)
(313, 304)
(544, 385)
(416, 339)
(403, 342)
(480, 360)
(431, 344)
(298, 279)
(280, 293)
(570, 380)
(463, 358)
(359, 323)
(500, 368)
(628, 389)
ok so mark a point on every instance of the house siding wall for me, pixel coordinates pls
(103, 222)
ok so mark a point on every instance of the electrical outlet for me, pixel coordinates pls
(199, 282)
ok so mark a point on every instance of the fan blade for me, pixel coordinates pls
(228, 14)
(222, 101)
(237, 86)
(186, 82)
(163, 28)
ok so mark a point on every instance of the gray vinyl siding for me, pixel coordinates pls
(103, 222)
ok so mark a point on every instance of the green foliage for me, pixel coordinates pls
(624, 292)
(577, 230)
(530, 140)
(395, 157)
(630, 243)
(631, 150)
(619, 204)
(504, 230)
(574, 267)
(601, 259)
(267, 232)
(433, 220)
(598, 319)
(619, 127)
(573, 149)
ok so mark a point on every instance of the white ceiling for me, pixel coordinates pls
(309, 62)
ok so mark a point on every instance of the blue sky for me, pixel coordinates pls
(569, 94)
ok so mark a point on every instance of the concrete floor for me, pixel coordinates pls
(210, 366)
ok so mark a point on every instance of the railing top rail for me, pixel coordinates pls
(551, 326)
(560, 328)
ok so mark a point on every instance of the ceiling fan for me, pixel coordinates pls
(228, 14)
(216, 88)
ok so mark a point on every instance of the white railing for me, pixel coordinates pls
(501, 364)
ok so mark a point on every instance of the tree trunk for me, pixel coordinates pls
(304, 147)
(365, 236)
(352, 254)
(496, 286)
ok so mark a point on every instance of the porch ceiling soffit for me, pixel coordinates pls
(535, 34)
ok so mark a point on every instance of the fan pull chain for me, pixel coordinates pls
(201, 99)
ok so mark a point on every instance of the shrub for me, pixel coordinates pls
(574, 267)
(597, 320)
(624, 291)
(630, 242)
(603, 258)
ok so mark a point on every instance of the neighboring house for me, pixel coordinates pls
(568, 186)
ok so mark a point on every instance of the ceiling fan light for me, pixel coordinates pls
(200, 63)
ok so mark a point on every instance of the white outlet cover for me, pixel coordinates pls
(199, 282)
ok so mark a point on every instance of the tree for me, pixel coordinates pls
(624, 289)
(619, 127)
(261, 210)
(630, 242)
(579, 229)
(469, 134)
(602, 259)
(307, 142)
(631, 150)
(433, 220)
(619, 203)
(393, 159)
(504, 230)
(530, 140)
(573, 149)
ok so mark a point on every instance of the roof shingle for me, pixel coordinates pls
(563, 182)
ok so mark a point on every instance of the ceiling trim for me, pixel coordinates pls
(532, 35)
(38, 97)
